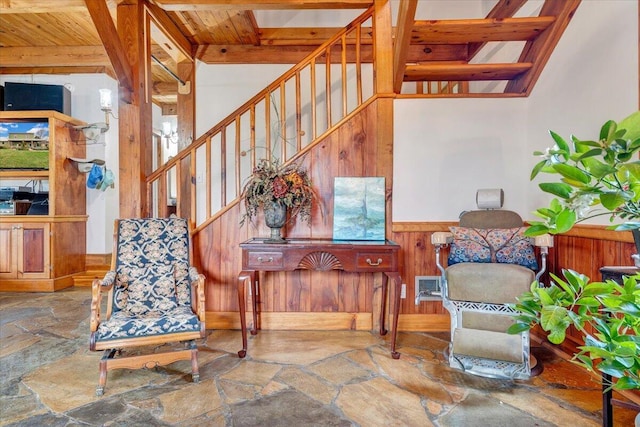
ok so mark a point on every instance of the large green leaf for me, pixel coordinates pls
(560, 142)
(626, 383)
(557, 189)
(632, 125)
(597, 288)
(611, 200)
(536, 230)
(572, 173)
(600, 170)
(516, 328)
(608, 130)
(537, 168)
(554, 319)
(565, 221)
(633, 168)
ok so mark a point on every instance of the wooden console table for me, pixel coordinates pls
(323, 255)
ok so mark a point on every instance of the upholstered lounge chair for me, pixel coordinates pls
(154, 297)
(490, 263)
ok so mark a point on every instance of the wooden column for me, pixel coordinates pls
(135, 118)
(384, 78)
(382, 146)
(186, 133)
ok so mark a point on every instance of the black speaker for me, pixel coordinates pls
(29, 97)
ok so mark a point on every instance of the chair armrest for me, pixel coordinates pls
(197, 285)
(441, 238)
(97, 288)
(544, 241)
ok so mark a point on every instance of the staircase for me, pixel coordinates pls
(443, 56)
(311, 100)
(327, 114)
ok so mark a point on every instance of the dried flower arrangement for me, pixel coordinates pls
(274, 182)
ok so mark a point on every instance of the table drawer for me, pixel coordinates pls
(375, 261)
(264, 260)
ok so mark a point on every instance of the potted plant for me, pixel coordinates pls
(278, 189)
(596, 178)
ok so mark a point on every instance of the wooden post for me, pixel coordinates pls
(135, 142)
(383, 144)
(186, 135)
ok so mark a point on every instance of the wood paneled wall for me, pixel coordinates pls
(352, 150)
(338, 300)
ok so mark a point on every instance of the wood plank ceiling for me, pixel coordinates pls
(59, 37)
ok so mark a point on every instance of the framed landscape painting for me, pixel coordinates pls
(359, 208)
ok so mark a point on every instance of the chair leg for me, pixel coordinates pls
(195, 371)
(102, 380)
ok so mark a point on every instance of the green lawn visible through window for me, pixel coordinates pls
(24, 159)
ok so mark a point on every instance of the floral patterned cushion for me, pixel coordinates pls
(123, 325)
(147, 250)
(155, 292)
(501, 245)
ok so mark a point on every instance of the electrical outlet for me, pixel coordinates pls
(403, 291)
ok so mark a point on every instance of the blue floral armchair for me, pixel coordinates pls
(154, 296)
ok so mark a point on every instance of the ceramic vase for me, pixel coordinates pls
(275, 216)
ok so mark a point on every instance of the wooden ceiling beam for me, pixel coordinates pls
(502, 9)
(480, 30)
(539, 50)
(54, 56)
(265, 54)
(58, 70)
(164, 88)
(183, 5)
(95, 56)
(464, 72)
(41, 6)
(112, 44)
(308, 36)
(404, 28)
(172, 33)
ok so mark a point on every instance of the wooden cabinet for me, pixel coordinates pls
(28, 247)
(42, 252)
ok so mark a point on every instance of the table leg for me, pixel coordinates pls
(383, 304)
(395, 300)
(254, 303)
(242, 278)
(607, 409)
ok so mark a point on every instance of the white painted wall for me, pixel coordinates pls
(447, 149)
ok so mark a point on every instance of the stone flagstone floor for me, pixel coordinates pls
(48, 378)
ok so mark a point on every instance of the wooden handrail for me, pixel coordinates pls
(230, 147)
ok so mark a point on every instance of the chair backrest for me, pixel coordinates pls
(492, 218)
(151, 248)
(493, 235)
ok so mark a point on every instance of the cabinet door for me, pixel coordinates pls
(8, 251)
(33, 251)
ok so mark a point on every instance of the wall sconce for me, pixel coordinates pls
(93, 131)
(171, 135)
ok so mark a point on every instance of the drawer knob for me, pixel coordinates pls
(260, 259)
(374, 263)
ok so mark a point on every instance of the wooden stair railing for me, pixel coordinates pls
(315, 96)
(282, 121)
